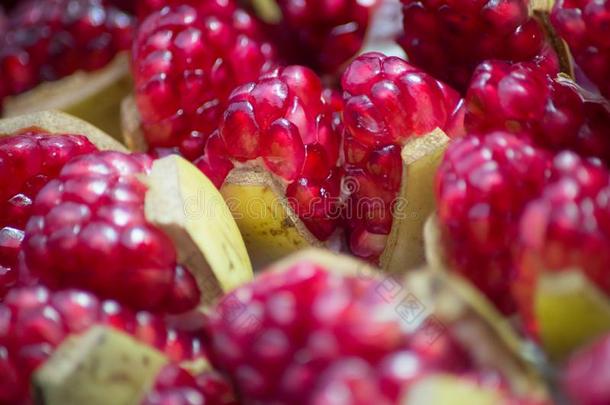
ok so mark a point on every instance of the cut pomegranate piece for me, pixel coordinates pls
(387, 103)
(585, 26)
(482, 188)
(88, 229)
(35, 321)
(187, 60)
(448, 39)
(555, 113)
(29, 160)
(47, 40)
(315, 327)
(175, 385)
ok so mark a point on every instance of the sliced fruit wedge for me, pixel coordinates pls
(92, 96)
(421, 157)
(100, 364)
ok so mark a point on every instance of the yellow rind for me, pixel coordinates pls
(92, 96)
(57, 122)
(130, 125)
(446, 389)
(570, 312)
(405, 247)
(188, 208)
(98, 367)
(269, 226)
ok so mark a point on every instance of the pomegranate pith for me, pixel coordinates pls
(305, 335)
(387, 103)
(566, 228)
(34, 321)
(186, 62)
(88, 230)
(285, 120)
(448, 39)
(28, 161)
(556, 113)
(585, 26)
(47, 40)
(482, 187)
(176, 386)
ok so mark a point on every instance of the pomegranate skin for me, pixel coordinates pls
(566, 227)
(88, 230)
(482, 187)
(186, 62)
(284, 120)
(555, 113)
(35, 321)
(174, 386)
(448, 39)
(28, 161)
(387, 103)
(584, 25)
(47, 40)
(305, 335)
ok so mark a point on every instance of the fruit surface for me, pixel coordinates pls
(482, 187)
(47, 40)
(89, 230)
(387, 102)
(554, 112)
(29, 160)
(448, 39)
(584, 26)
(186, 62)
(35, 321)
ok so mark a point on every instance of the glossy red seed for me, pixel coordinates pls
(88, 230)
(34, 321)
(482, 187)
(448, 39)
(387, 103)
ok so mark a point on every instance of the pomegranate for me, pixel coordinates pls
(35, 321)
(387, 103)
(29, 160)
(88, 229)
(448, 39)
(47, 40)
(186, 62)
(584, 25)
(318, 327)
(556, 113)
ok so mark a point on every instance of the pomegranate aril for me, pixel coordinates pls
(482, 188)
(387, 103)
(89, 231)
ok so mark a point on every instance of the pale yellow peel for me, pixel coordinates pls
(446, 389)
(421, 157)
(130, 125)
(92, 96)
(96, 367)
(56, 122)
(269, 226)
(187, 206)
(434, 252)
(570, 312)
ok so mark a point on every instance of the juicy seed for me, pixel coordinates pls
(35, 321)
(28, 161)
(448, 39)
(556, 113)
(566, 227)
(387, 103)
(482, 187)
(285, 120)
(187, 60)
(88, 230)
(47, 40)
(585, 26)
(175, 385)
